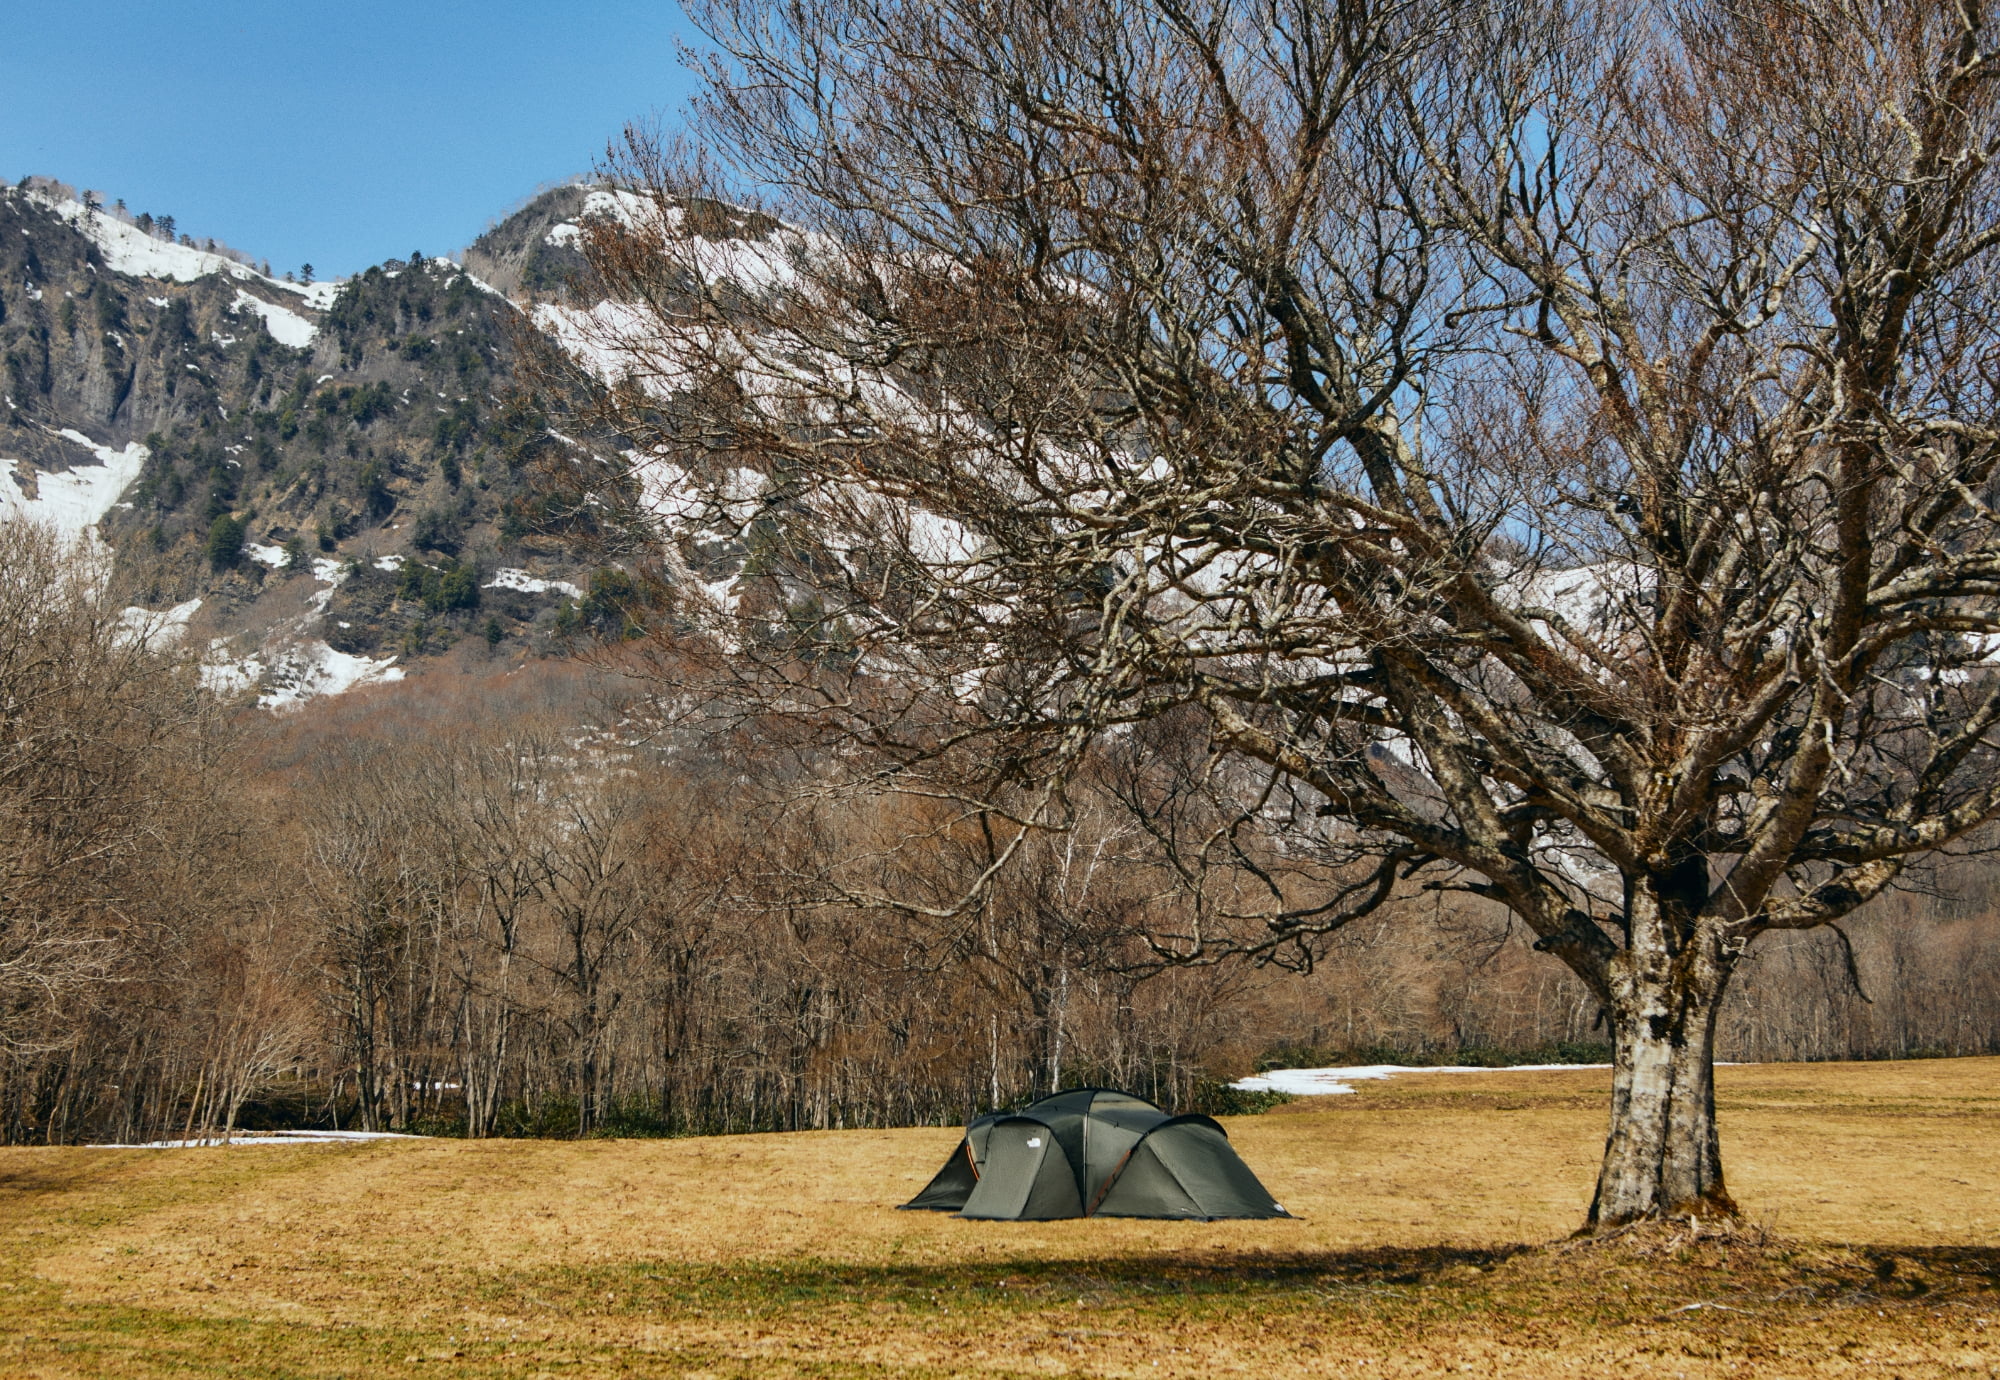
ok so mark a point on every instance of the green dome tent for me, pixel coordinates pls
(1094, 1152)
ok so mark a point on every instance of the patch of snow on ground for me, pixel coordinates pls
(289, 675)
(619, 204)
(1334, 1082)
(286, 327)
(509, 578)
(940, 540)
(329, 573)
(752, 265)
(128, 249)
(1595, 599)
(615, 204)
(156, 627)
(274, 556)
(388, 562)
(723, 594)
(225, 675)
(266, 1138)
(609, 339)
(75, 501)
(309, 669)
(318, 295)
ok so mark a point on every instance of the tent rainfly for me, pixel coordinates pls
(1094, 1152)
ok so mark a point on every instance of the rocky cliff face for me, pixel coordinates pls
(327, 483)
(532, 254)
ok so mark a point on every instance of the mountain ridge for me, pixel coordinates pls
(326, 482)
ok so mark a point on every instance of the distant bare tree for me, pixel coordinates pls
(581, 837)
(1544, 450)
(258, 1024)
(98, 714)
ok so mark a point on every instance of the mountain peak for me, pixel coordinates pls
(323, 484)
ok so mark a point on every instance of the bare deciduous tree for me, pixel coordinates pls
(97, 713)
(1543, 450)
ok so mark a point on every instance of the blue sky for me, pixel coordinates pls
(331, 134)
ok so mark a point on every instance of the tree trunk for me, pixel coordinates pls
(1663, 1158)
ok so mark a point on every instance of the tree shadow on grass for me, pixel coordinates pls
(38, 1179)
(1011, 1280)
(1618, 1283)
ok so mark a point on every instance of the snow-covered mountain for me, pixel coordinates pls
(329, 483)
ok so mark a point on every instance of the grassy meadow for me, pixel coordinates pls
(1435, 1210)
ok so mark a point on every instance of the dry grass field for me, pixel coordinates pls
(1435, 1209)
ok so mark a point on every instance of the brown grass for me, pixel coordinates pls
(1435, 1210)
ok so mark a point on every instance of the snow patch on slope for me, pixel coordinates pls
(286, 327)
(310, 669)
(73, 502)
(128, 249)
(291, 667)
(509, 578)
(317, 295)
(613, 341)
(605, 203)
(156, 628)
(287, 676)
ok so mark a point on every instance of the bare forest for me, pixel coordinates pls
(525, 902)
